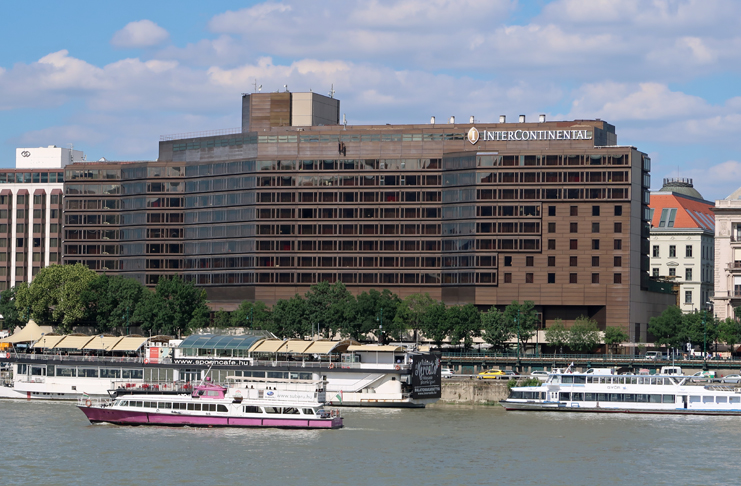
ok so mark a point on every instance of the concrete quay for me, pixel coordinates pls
(465, 390)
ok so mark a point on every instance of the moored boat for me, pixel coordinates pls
(292, 405)
(655, 394)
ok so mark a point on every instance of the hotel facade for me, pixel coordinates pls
(483, 213)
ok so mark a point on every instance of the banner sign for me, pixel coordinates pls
(426, 379)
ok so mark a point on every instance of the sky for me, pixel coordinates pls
(109, 78)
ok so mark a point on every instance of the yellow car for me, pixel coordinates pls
(491, 374)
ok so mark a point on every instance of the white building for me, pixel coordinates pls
(727, 255)
(682, 242)
(31, 212)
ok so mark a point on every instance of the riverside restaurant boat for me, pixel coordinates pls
(657, 394)
(66, 367)
(290, 404)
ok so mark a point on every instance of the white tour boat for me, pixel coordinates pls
(663, 394)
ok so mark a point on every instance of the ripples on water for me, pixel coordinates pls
(52, 443)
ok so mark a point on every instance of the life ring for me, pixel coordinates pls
(88, 402)
(331, 365)
(146, 361)
(397, 367)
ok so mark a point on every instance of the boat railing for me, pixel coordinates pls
(94, 402)
(154, 386)
(332, 365)
(73, 357)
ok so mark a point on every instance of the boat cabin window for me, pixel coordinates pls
(721, 399)
(110, 373)
(707, 399)
(132, 374)
(272, 409)
(694, 399)
(38, 371)
(135, 404)
(577, 397)
(735, 399)
(668, 398)
(290, 411)
(87, 372)
(165, 405)
(308, 411)
(251, 409)
(179, 406)
(66, 371)
(221, 408)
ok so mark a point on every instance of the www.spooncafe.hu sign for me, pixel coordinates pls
(524, 135)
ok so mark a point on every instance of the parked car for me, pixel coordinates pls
(446, 373)
(731, 379)
(491, 375)
(654, 355)
(539, 374)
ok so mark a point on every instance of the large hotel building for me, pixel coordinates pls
(486, 213)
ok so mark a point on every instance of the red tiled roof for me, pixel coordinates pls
(691, 213)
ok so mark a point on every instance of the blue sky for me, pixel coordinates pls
(110, 77)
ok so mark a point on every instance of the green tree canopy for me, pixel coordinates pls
(252, 315)
(222, 319)
(411, 311)
(464, 322)
(12, 315)
(614, 336)
(54, 295)
(496, 330)
(373, 309)
(584, 335)
(110, 302)
(291, 318)
(175, 307)
(669, 328)
(524, 319)
(329, 307)
(557, 335)
(435, 324)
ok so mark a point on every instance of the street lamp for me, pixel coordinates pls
(518, 334)
(380, 327)
(705, 336)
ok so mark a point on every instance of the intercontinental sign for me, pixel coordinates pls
(524, 135)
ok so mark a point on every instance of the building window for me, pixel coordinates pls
(655, 272)
(551, 227)
(618, 227)
(574, 244)
(573, 261)
(688, 251)
(618, 210)
(672, 251)
(528, 278)
(595, 278)
(595, 261)
(595, 227)
(574, 211)
(551, 278)
(551, 210)
(507, 278)
(672, 272)
(655, 253)
(551, 244)
(508, 261)
(618, 261)
(688, 274)
(529, 261)
(574, 227)
(595, 210)
(595, 244)
(551, 261)
(618, 245)
(617, 278)
(688, 296)
(572, 278)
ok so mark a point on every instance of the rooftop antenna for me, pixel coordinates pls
(331, 91)
(285, 86)
(344, 120)
(257, 88)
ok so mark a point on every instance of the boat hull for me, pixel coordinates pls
(560, 407)
(121, 417)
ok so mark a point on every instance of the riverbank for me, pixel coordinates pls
(470, 391)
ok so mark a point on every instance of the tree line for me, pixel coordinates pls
(66, 296)
(675, 329)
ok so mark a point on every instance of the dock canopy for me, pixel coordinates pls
(327, 347)
(268, 346)
(102, 343)
(47, 342)
(211, 341)
(378, 349)
(129, 344)
(73, 342)
(31, 333)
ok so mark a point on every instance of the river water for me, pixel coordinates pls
(51, 443)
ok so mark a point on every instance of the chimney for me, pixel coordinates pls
(502, 118)
(541, 118)
(452, 120)
(522, 118)
(432, 120)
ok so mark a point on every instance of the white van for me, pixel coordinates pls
(654, 355)
(671, 370)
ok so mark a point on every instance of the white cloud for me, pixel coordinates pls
(142, 33)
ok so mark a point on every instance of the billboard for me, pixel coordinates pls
(426, 382)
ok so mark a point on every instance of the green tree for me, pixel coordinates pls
(464, 323)
(670, 328)
(222, 319)
(54, 295)
(411, 312)
(329, 306)
(524, 320)
(12, 315)
(175, 308)
(110, 302)
(557, 335)
(435, 324)
(584, 335)
(729, 331)
(252, 315)
(614, 336)
(291, 318)
(371, 310)
(496, 330)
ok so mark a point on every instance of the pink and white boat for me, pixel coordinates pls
(287, 405)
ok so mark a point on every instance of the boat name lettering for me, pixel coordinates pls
(208, 361)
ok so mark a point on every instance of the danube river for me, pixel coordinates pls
(52, 443)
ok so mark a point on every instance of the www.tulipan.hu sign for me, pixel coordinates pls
(526, 135)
